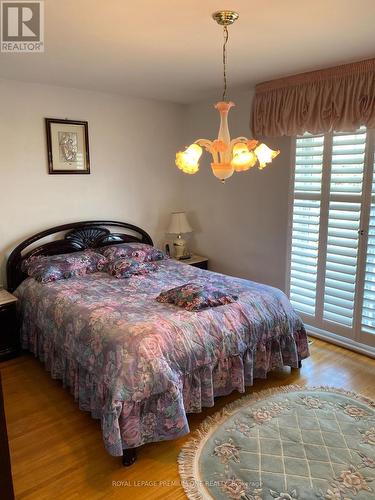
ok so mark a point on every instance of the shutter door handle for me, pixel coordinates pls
(361, 232)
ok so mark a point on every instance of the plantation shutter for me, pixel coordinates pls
(332, 246)
(344, 213)
(305, 224)
(368, 307)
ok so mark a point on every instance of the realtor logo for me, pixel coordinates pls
(22, 26)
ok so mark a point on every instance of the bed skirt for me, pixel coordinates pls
(129, 424)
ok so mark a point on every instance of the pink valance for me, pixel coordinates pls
(340, 98)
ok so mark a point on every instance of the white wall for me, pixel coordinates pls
(132, 148)
(240, 225)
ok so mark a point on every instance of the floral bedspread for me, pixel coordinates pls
(140, 365)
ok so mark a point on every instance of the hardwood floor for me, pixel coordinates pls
(57, 450)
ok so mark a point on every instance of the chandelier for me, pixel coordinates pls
(228, 156)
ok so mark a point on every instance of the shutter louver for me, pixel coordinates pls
(345, 196)
(305, 230)
(341, 262)
(368, 308)
(348, 154)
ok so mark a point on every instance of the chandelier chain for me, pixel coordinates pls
(226, 36)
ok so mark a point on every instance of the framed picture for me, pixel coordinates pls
(67, 146)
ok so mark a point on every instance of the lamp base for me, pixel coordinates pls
(181, 250)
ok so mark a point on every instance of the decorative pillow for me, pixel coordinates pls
(125, 267)
(63, 266)
(195, 297)
(137, 251)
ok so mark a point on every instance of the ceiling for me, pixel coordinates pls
(171, 49)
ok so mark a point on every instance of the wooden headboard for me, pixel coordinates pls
(77, 236)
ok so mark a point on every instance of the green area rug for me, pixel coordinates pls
(288, 443)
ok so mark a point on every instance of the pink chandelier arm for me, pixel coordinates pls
(208, 145)
(205, 143)
(237, 139)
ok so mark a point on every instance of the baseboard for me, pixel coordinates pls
(341, 341)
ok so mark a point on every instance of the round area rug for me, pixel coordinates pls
(289, 443)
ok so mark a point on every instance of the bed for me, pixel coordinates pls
(138, 365)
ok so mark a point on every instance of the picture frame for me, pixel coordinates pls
(67, 146)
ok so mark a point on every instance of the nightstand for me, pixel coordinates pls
(9, 336)
(196, 261)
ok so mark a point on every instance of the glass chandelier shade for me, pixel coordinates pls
(228, 155)
(188, 161)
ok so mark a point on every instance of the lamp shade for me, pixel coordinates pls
(179, 224)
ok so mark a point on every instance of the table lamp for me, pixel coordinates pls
(180, 225)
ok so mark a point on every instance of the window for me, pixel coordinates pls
(332, 244)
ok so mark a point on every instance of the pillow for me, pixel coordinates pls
(195, 297)
(57, 267)
(136, 251)
(125, 268)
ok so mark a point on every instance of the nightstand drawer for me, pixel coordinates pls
(9, 340)
(201, 265)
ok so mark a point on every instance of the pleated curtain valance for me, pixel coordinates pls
(340, 98)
